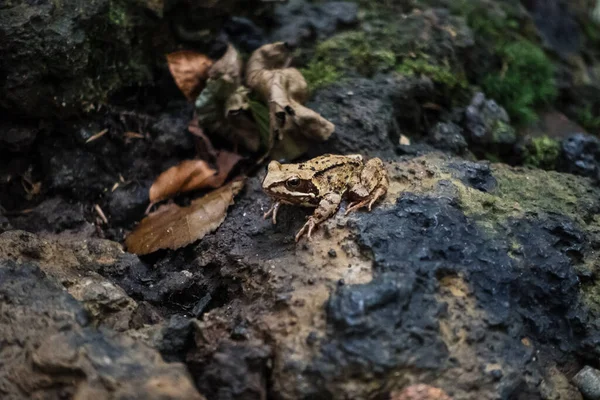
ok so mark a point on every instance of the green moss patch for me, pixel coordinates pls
(526, 80)
(542, 152)
(319, 74)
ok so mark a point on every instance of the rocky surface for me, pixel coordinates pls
(471, 279)
(51, 349)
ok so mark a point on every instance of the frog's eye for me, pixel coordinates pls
(293, 183)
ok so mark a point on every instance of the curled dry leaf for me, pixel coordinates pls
(228, 67)
(221, 107)
(420, 392)
(284, 89)
(172, 227)
(185, 176)
(190, 71)
(204, 145)
(193, 175)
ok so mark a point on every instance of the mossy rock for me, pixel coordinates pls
(64, 59)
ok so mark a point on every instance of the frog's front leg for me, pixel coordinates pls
(273, 212)
(327, 207)
(368, 186)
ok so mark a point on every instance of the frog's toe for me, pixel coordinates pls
(355, 206)
(307, 228)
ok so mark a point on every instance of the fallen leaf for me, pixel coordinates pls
(190, 71)
(205, 147)
(172, 227)
(420, 392)
(225, 163)
(193, 175)
(222, 107)
(185, 176)
(228, 67)
(284, 89)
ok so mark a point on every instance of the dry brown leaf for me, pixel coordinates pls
(420, 392)
(185, 176)
(190, 71)
(284, 89)
(223, 106)
(204, 147)
(228, 67)
(225, 163)
(193, 175)
(172, 227)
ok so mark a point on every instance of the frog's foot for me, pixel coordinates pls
(369, 201)
(272, 212)
(307, 228)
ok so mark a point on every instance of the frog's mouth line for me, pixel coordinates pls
(295, 198)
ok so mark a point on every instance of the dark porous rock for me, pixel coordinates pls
(473, 278)
(235, 371)
(4, 223)
(580, 155)
(477, 175)
(17, 135)
(55, 352)
(448, 137)
(177, 337)
(588, 382)
(77, 172)
(172, 138)
(54, 215)
(374, 325)
(487, 126)
(244, 34)
(365, 114)
(128, 202)
(59, 60)
(300, 21)
(556, 25)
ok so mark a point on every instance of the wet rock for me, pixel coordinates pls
(244, 34)
(54, 215)
(128, 203)
(556, 25)
(53, 349)
(4, 223)
(487, 126)
(466, 278)
(236, 371)
(17, 136)
(172, 138)
(477, 175)
(77, 173)
(365, 116)
(300, 21)
(51, 63)
(76, 263)
(447, 136)
(588, 382)
(364, 332)
(177, 337)
(580, 155)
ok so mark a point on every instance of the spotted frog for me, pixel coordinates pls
(322, 183)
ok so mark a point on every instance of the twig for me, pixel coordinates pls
(97, 135)
(101, 214)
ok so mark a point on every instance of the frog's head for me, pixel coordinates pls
(290, 184)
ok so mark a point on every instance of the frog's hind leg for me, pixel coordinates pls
(368, 186)
(326, 208)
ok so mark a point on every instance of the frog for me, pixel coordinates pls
(322, 183)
